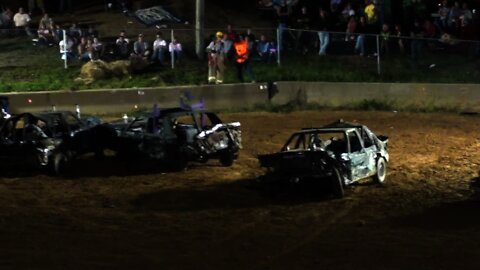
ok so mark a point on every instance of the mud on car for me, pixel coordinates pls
(51, 140)
(176, 136)
(339, 154)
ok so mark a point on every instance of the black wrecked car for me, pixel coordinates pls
(176, 136)
(51, 140)
(339, 154)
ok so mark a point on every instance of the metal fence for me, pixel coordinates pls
(300, 45)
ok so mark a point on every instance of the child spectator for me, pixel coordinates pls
(66, 48)
(98, 49)
(122, 50)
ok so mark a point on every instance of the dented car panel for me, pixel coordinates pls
(350, 148)
(179, 134)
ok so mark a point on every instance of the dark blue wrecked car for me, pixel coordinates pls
(177, 136)
(51, 140)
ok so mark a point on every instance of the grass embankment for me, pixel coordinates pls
(24, 67)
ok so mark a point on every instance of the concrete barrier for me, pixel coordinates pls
(245, 96)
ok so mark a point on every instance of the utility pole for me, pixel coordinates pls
(200, 13)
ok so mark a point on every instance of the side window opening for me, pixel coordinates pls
(355, 144)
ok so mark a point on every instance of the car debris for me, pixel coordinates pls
(51, 140)
(177, 136)
(341, 152)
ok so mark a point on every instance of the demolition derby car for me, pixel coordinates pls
(340, 154)
(176, 136)
(50, 139)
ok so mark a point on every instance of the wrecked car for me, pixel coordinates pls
(177, 136)
(50, 140)
(340, 154)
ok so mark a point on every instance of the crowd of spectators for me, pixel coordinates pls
(360, 18)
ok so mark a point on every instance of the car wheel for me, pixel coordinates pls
(381, 173)
(227, 158)
(61, 163)
(337, 184)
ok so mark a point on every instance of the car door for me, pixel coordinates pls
(358, 156)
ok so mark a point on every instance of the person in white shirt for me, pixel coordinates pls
(22, 21)
(176, 48)
(159, 49)
(66, 48)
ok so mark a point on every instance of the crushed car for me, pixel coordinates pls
(340, 154)
(177, 136)
(51, 140)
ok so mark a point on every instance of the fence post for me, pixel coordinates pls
(172, 49)
(65, 48)
(379, 69)
(278, 45)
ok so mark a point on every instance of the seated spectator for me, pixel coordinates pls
(66, 48)
(98, 49)
(175, 47)
(84, 49)
(22, 21)
(122, 50)
(159, 49)
(46, 23)
(140, 47)
(265, 50)
(124, 36)
(46, 36)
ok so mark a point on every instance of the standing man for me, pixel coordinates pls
(242, 58)
(22, 21)
(216, 59)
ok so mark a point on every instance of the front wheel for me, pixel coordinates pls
(227, 158)
(381, 173)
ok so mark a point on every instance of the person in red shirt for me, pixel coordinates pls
(242, 60)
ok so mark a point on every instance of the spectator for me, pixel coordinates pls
(123, 35)
(323, 35)
(122, 48)
(398, 35)
(65, 6)
(98, 49)
(22, 21)
(175, 48)
(6, 18)
(32, 4)
(351, 28)
(466, 16)
(283, 12)
(442, 20)
(417, 34)
(45, 31)
(46, 23)
(159, 49)
(347, 12)
(66, 48)
(303, 21)
(266, 50)
(91, 32)
(370, 12)
(57, 33)
(360, 44)
(385, 39)
(242, 60)
(140, 47)
(75, 32)
(216, 59)
(229, 37)
(83, 49)
(454, 17)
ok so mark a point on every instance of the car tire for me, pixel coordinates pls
(337, 182)
(381, 171)
(227, 158)
(61, 163)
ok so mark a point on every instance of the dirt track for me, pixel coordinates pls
(126, 216)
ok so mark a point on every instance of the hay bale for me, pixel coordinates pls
(92, 71)
(120, 68)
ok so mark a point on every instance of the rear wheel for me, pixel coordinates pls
(381, 173)
(337, 184)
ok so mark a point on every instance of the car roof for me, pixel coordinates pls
(173, 111)
(324, 130)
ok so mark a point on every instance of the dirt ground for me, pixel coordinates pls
(125, 215)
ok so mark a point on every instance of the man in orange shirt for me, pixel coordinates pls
(242, 53)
